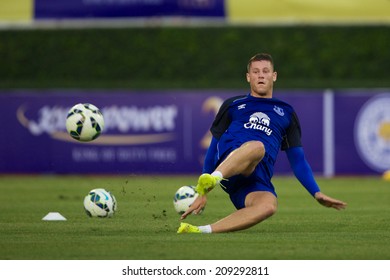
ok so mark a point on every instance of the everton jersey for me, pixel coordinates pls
(246, 118)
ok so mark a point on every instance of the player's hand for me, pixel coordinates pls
(330, 202)
(196, 207)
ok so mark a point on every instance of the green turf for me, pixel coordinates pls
(145, 225)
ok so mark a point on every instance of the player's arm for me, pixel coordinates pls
(219, 126)
(293, 147)
(304, 174)
(208, 165)
(301, 168)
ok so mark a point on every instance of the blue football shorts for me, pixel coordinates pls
(239, 186)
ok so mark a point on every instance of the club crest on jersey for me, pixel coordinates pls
(259, 121)
(279, 111)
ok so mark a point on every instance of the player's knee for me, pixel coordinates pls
(270, 210)
(257, 148)
(264, 212)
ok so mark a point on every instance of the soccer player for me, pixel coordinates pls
(248, 132)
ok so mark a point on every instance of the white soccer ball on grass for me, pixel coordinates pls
(100, 203)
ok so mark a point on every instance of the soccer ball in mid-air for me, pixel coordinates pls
(100, 203)
(84, 122)
(183, 199)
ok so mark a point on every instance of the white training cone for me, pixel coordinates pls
(54, 216)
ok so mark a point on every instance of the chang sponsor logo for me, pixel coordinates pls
(259, 121)
(133, 125)
(372, 132)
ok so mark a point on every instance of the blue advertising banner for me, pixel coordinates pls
(362, 131)
(62, 9)
(156, 132)
(144, 132)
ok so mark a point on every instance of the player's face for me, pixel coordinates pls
(261, 78)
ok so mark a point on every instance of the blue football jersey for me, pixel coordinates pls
(246, 118)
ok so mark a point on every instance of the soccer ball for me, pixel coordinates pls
(84, 122)
(183, 199)
(100, 203)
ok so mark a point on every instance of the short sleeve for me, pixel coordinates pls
(222, 119)
(293, 134)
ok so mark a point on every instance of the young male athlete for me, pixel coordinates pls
(248, 132)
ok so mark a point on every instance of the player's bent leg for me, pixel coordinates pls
(256, 151)
(259, 206)
(242, 160)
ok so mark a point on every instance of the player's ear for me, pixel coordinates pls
(275, 76)
(247, 77)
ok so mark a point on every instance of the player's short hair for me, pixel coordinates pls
(259, 57)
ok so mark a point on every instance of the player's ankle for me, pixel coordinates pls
(217, 174)
(205, 229)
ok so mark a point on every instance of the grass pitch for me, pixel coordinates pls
(144, 228)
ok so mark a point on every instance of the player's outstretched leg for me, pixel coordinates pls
(259, 205)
